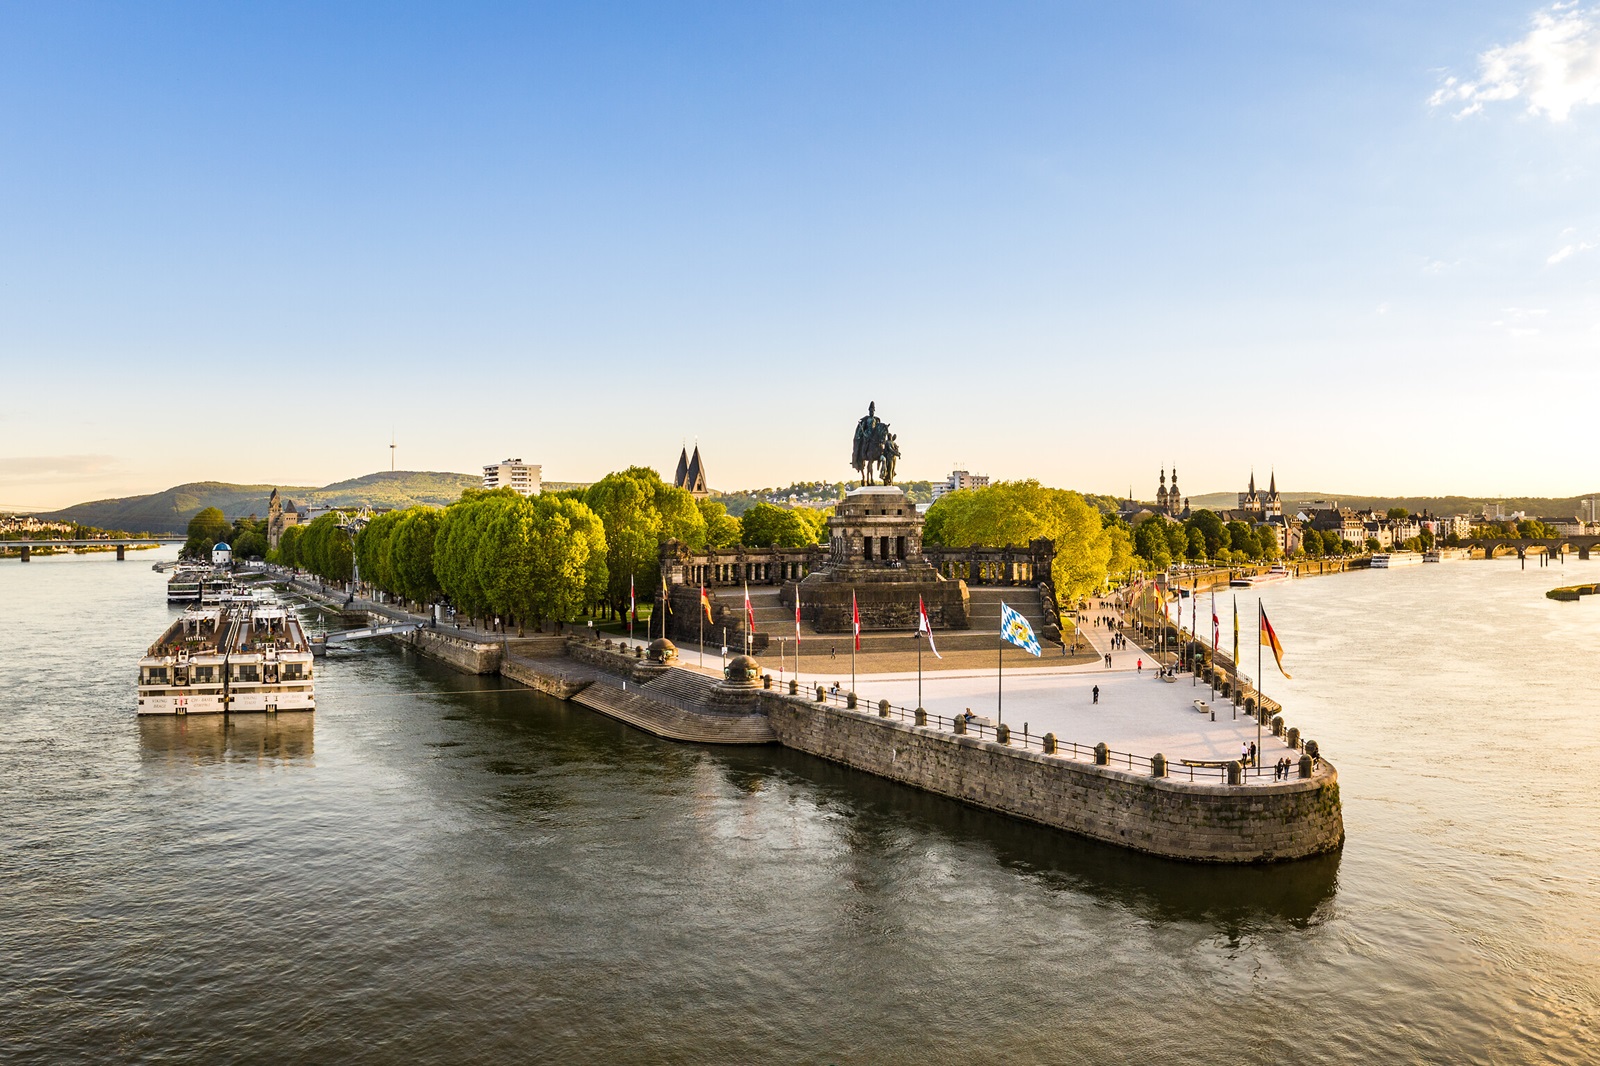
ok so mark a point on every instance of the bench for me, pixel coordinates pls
(1202, 706)
(1213, 764)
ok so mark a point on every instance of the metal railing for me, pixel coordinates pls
(1025, 740)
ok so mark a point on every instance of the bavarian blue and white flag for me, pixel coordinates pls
(1015, 628)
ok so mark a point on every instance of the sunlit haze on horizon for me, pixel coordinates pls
(1355, 244)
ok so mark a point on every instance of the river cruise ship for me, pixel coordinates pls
(1390, 560)
(184, 672)
(1277, 572)
(269, 662)
(184, 585)
(246, 657)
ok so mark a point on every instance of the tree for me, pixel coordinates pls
(1397, 513)
(1197, 545)
(288, 553)
(1372, 544)
(1244, 539)
(1017, 512)
(766, 526)
(722, 529)
(205, 529)
(1150, 543)
(411, 554)
(1121, 539)
(1311, 542)
(324, 548)
(1210, 527)
(640, 512)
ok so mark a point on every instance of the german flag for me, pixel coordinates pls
(1269, 639)
(705, 604)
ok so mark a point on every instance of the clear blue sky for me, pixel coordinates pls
(1356, 242)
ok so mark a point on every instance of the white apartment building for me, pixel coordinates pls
(513, 474)
(961, 479)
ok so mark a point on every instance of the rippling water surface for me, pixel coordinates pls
(438, 870)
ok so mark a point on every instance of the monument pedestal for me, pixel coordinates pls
(875, 552)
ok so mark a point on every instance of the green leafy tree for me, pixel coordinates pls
(1150, 543)
(1197, 545)
(324, 548)
(411, 554)
(640, 512)
(288, 551)
(1397, 513)
(205, 529)
(1213, 532)
(766, 526)
(1017, 512)
(722, 529)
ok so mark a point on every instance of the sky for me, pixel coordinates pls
(1358, 244)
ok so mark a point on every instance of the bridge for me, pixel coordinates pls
(25, 547)
(1523, 546)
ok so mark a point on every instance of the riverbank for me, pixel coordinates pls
(1188, 793)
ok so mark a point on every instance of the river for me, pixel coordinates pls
(439, 869)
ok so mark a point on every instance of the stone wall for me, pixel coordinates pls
(468, 656)
(1163, 816)
(541, 678)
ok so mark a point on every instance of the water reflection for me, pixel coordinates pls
(1230, 898)
(285, 737)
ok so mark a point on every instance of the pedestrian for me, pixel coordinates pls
(1141, 666)
(1108, 662)
(1244, 754)
(833, 651)
(1252, 753)
(1097, 693)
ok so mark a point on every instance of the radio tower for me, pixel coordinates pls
(391, 451)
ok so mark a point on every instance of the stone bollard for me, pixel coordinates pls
(822, 694)
(883, 708)
(958, 725)
(638, 651)
(1002, 733)
(850, 700)
(1277, 726)
(794, 686)
(1049, 743)
(1294, 737)
(1102, 754)
(1158, 765)
(922, 716)
(1312, 749)
(766, 680)
(1305, 766)
(1236, 773)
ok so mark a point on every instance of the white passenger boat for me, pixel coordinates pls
(1390, 560)
(184, 585)
(183, 672)
(247, 657)
(1277, 572)
(269, 663)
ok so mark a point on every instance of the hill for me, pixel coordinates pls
(170, 511)
(1536, 506)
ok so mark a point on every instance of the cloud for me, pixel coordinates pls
(31, 468)
(1567, 251)
(1555, 68)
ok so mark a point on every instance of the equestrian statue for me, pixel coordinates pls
(874, 452)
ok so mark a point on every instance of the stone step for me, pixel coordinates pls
(682, 684)
(663, 720)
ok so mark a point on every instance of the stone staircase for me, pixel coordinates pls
(681, 685)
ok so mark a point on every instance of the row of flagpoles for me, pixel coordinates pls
(1014, 629)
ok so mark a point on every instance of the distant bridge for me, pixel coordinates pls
(120, 543)
(1524, 546)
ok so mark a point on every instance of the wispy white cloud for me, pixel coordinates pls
(1555, 68)
(1567, 251)
(32, 468)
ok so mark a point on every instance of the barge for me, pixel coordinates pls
(250, 657)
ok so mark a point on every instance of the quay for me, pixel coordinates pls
(1141, 768)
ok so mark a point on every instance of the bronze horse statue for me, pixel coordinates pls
(874, 451)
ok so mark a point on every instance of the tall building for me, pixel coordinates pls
(691, 474)
(1171, 501)
(958, 480)
(1257, 505)
(279, 518)
(513, 474)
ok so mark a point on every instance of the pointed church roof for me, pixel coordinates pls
(695, 476)
(1272, 486)
(1252, 481)
(683, 468)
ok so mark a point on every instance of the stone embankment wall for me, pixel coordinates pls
(468, 656)
(540, 678)
(1163, 816)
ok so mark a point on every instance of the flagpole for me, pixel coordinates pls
(701, 611)
(1259, 676)
(1000, 682)
(919, 666)
(1194, 629)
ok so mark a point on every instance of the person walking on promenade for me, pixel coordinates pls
(1108, 662)
(1097, 693)
(1252, 753)
(1141, 666)
(833, 651)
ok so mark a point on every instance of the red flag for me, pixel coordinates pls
(924, 627)
(1269, 638)
(797, 617)
(855, 618)
(749, 612)
(633, 604)
(705, 604)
